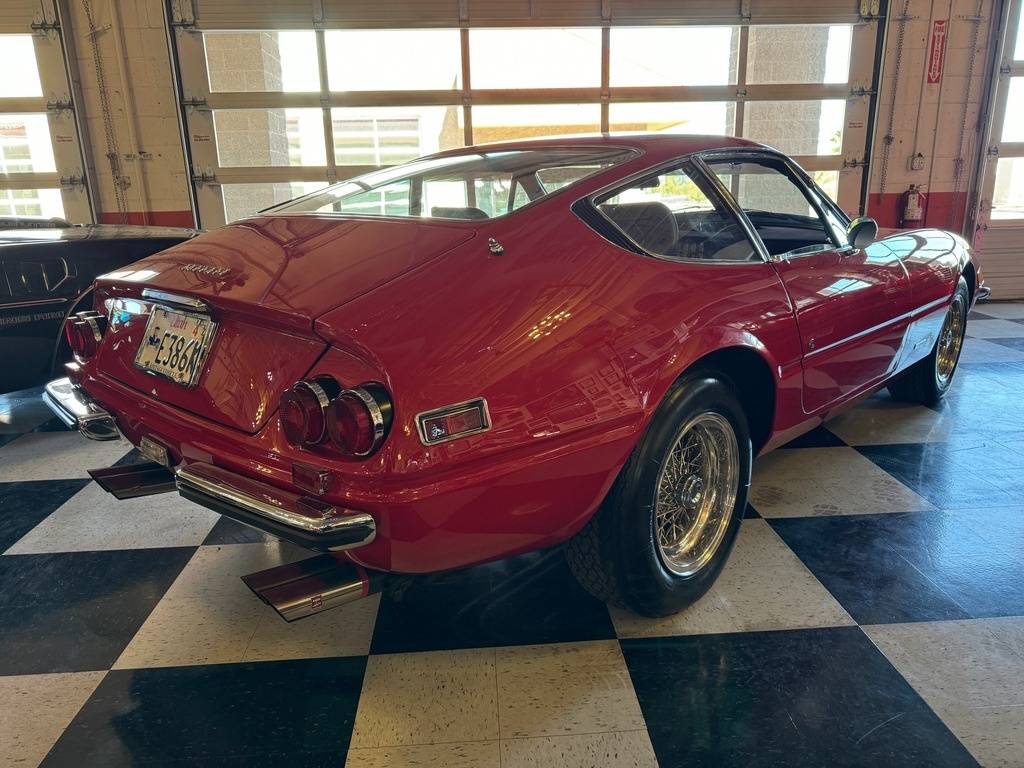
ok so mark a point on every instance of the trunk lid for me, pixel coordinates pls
(265, 281)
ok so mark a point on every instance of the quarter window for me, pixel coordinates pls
(672, 214)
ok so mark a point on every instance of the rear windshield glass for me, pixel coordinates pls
(477, 185)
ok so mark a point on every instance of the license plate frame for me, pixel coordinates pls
(160, 314)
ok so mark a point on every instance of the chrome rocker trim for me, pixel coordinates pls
(79, 411)
(307, 522)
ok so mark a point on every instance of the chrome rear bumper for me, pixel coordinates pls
(309, 522)
(78, 411)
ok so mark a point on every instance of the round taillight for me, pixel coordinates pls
(303, 408)
(82, 338)
(358, 420)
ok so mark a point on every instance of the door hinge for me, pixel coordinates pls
(993, 151)
(60, 105)
(855, 163)
(205, 177)
(861, 91)
(45, 27)
(75, 180)
(1006, 69)
(195, 102)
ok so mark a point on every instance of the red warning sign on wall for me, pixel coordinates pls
(937, 52)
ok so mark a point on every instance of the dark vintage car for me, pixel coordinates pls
(46, 273)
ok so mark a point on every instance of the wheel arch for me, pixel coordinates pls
(749, 372)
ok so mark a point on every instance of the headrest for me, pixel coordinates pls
(445, 212)
(650, 225)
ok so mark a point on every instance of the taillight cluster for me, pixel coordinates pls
(355, 420)
(84, 332)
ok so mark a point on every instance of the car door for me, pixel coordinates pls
(32, 309)
(850, 304)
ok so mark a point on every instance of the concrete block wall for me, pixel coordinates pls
(132, 41)
(929, 116)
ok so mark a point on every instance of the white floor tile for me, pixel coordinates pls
(93, 520)
(57, 456)
(763, 586)
(804, 482)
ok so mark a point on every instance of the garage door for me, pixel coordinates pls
(41, 169)
(1000, 237)
(282, 98)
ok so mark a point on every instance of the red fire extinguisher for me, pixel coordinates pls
(912, 207)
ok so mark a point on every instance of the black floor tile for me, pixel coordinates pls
(253, 714)
(794, 698)
(228, 531)
(750, 513)
(77, 611)
(6, 437)
(909, 567)
(956, 474)
(519, 601)
(819, 437)
(24, 505)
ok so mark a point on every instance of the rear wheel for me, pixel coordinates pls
(662, 535)
(928, 380)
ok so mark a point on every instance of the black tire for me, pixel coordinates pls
(923, 382)
(616, 557)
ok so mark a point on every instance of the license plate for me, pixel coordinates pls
(175, 345)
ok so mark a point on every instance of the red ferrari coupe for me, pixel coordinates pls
(507, 347)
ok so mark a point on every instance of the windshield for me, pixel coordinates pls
(476, 185)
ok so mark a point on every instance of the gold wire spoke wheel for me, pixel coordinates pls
(696, 493)
(950, 340)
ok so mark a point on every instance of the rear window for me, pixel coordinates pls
(477, 185)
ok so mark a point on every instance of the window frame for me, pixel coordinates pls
(193, 86)
(815, 196)
(588, 209)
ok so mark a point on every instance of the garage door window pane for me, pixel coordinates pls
(673, 56)
(797, 127)
(262, 61)
(828, 181)
(535, 58)
(1008, 197)
(1013, 124)
(1018, 52)
(799, 54)
(31, 202)
(392, 135)
(19, 74)
(714, 117)
(25, 145)
(385, 60)
(505, 123)
(264, 137)
(242, 200)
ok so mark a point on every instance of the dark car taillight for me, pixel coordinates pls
(84, 332)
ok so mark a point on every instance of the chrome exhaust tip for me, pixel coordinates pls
(317, 584)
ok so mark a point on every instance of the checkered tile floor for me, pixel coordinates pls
(871, 614)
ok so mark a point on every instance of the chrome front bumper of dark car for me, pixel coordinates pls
(78, 411)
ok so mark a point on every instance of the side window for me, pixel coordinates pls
(31, 279)
(777, 206)
(389, 200)
(671, 214)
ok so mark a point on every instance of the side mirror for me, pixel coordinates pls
(862, 232)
